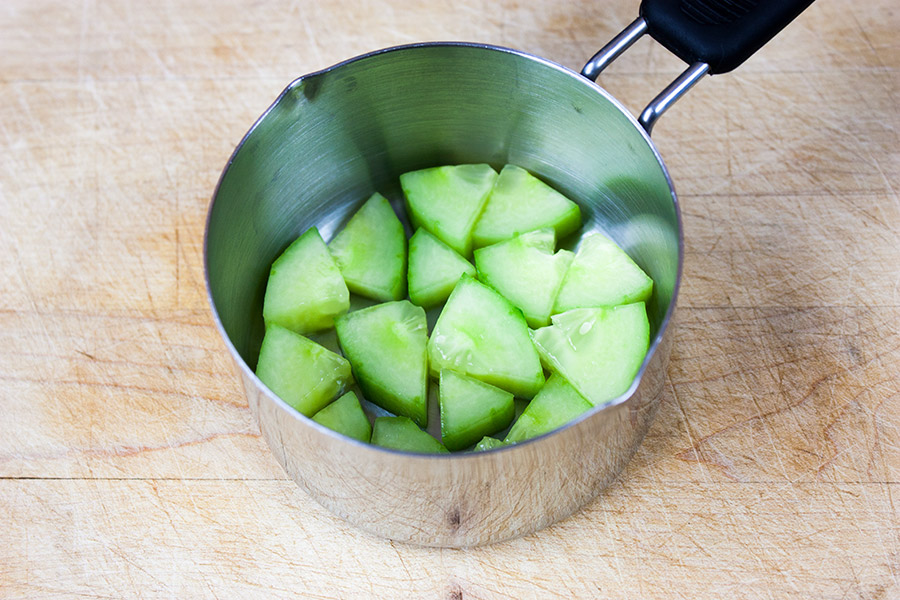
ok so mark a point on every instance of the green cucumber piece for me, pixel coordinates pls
(520, 202)
(301, 372)
(480, 334)
(434, 269)
(555, 405)
(400, 433)
(345, 415)
(371, 251)
(305, 291)
(471, 409)
(385, 344)
(598, 350)
(602, 274)
(488, 443)
(526, 271)
(447, 201)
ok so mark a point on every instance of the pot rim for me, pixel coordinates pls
(455, 456)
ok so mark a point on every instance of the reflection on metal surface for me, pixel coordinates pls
(665, 99)
(671, 94)
(615, 47)
(336, 136)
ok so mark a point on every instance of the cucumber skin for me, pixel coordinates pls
(401, 433)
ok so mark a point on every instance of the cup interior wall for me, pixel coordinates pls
(335, 137)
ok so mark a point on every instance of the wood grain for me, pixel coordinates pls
(131, 467)
(265, 538)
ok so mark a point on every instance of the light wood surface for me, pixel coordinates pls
(130, 465)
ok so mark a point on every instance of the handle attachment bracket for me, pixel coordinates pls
(712, 36)
(666, 98)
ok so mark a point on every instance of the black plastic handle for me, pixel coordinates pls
(720, 33)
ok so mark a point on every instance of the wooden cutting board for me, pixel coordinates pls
(130, 465)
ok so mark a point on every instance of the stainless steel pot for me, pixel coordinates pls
(335, 136)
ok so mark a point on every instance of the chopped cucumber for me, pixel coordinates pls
(602, 274)
(300, 371)
(480, 334)
(481, 348)
(555, 405)
(488, 443)
(598, 350)
(385, 344)
(434, 269)
(520, 202)
(345, 415)
(447, 201)
(526, 271)
(305, 291)
(471, 409)
(400, 433)
(371, 251)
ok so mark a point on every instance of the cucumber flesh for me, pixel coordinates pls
(301, 372)
(385, 344)
(371, 251)
(480, 334)
(555, 405)
(602, 274)
(598, 350)
(520, 202)
(345, 415)
(471, 409)
(488, 443)
(400, 433)
(305, 291)
(526, 271)
(447, 201)
(434, 269)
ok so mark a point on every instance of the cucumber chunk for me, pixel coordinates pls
(526, 271)
(598, 350)
(447, 201)
(488, 443)
(602, 274)
(345, 415)
(555, 405)
(434, 269)
(471, 409)
(520, 202)
(400, 433)
(385, 344)
(371, 251)
(480, 334)
(305, 291)
(300, 371)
